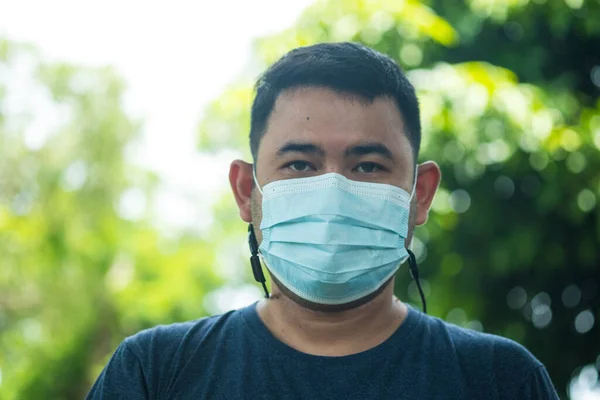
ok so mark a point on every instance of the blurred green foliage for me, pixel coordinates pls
(75, 277)
(510, 112)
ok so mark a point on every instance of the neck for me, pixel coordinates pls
(332, 333)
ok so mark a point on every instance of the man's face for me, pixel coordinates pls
(314, 131)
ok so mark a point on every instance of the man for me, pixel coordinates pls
(332, 199)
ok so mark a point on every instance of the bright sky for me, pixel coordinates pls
(175, 56)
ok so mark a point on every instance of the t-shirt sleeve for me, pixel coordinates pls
(538, 386)
(122, 378)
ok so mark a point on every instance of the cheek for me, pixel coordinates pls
(256, 211)
(414, 211)
(256, 205)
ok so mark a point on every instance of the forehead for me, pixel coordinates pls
(334, 121)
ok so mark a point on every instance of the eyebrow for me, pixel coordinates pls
(300, 147)
(364, 149)
(358, 150)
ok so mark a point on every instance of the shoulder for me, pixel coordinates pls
(485, 360)
(147, 363)
(177, 337)
(486, 347)
(163, 353)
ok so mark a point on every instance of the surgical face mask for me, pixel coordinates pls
(331, 240)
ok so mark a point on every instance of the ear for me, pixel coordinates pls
(240, 179)
(428, 180)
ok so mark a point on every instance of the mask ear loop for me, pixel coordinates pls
(257, 271)
(414, 272)
(255, 260)
(412, 260)
(256, 180)
(414, 188)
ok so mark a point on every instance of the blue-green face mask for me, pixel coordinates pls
(331, 240)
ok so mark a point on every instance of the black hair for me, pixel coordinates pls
(347, 68)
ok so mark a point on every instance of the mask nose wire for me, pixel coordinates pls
(412, 260)
(414, 272)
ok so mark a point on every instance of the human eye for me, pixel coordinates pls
(299, 166)
(368, 168)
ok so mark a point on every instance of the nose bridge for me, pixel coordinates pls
(334, 162)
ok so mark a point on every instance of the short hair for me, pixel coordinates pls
(346, 68)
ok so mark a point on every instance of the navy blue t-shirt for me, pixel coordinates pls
(234, 356)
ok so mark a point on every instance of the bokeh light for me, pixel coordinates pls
(584, 321)
(586, 200)
(516, 298)
(541, 316)
(571, 296)
(460, 201)
(457, 316)
(585, 385)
